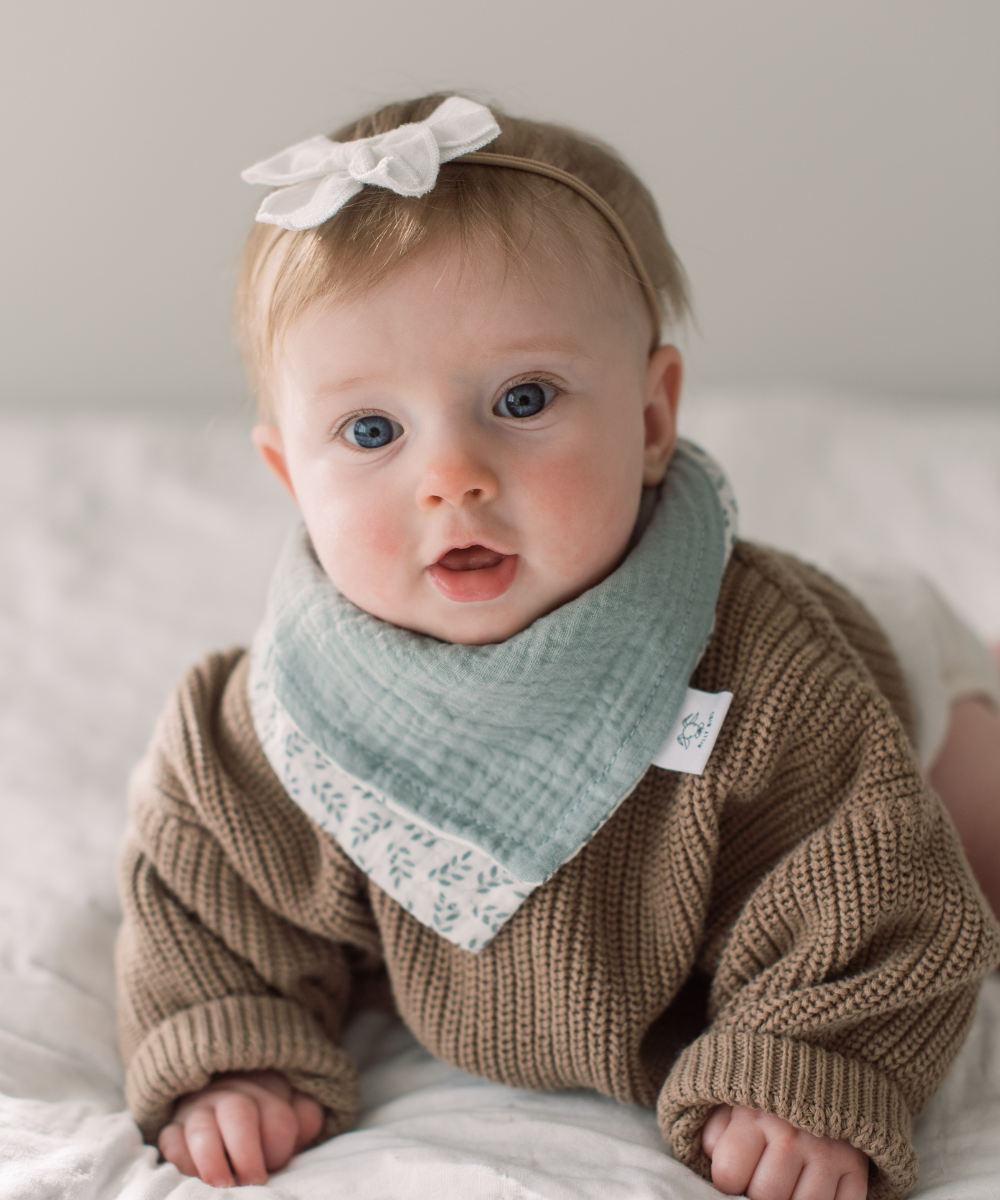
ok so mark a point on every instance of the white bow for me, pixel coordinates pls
(317, 177)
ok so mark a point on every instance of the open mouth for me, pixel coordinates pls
(473, 573)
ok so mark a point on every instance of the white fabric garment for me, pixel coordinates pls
(317, 177)
(941, 657)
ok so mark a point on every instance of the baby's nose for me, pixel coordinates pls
(456, 476)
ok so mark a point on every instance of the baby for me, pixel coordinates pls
(529, 745)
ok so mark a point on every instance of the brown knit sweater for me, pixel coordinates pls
(796, 929)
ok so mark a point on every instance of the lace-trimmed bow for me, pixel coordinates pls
(317, 177)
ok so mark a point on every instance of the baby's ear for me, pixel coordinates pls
(664, 376)
(271, 447)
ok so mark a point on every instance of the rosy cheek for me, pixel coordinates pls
(360, 542)
(586, 512)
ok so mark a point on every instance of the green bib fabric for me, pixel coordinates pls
(522, 749)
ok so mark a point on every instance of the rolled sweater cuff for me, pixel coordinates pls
(238, 1033)
(813, 1088)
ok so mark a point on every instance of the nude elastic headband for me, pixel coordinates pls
(488, 159)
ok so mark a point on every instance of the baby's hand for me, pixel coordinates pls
(766, 1158)
(255, 1117)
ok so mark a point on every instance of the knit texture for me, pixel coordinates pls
(796, 929)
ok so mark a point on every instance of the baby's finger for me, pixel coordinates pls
(780, 1172)
(238, 1120)
(853, 1185)
(204, 1143)
(818, 1181)
(309, 1118)
(173, 1146)
(736, 1156)
(715, 1127)
(278, 1130)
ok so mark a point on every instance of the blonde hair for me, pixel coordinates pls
(284, 272)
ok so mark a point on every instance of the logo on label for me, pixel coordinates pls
(690, 741)
(691, 730)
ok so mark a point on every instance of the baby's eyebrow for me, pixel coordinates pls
(569, 346)
(327, 390)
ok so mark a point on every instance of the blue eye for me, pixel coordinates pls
(524, 400)
(372, 433)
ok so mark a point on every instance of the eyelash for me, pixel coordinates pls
(530, 378)
(361, 413)
(513, 383)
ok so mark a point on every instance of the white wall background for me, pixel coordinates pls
(829, 171)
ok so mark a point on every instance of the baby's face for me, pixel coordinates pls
(467, 443)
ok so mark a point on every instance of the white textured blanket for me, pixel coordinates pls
(128, 549)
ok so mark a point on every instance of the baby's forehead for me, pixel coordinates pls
(539, 273)
(472, 296)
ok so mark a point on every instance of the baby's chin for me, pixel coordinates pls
(468, 623)
(476, 623)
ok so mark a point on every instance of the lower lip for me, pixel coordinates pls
(468, 586)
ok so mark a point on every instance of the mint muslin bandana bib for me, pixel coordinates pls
(462, 777)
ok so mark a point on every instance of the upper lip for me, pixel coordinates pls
(467, 545)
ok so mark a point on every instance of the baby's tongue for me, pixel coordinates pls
(472, 558)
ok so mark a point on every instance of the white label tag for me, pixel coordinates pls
(690, 742)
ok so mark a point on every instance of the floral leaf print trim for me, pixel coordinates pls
(438, 879)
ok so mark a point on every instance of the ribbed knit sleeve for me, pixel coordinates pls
(847, 961)
(216, 975)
